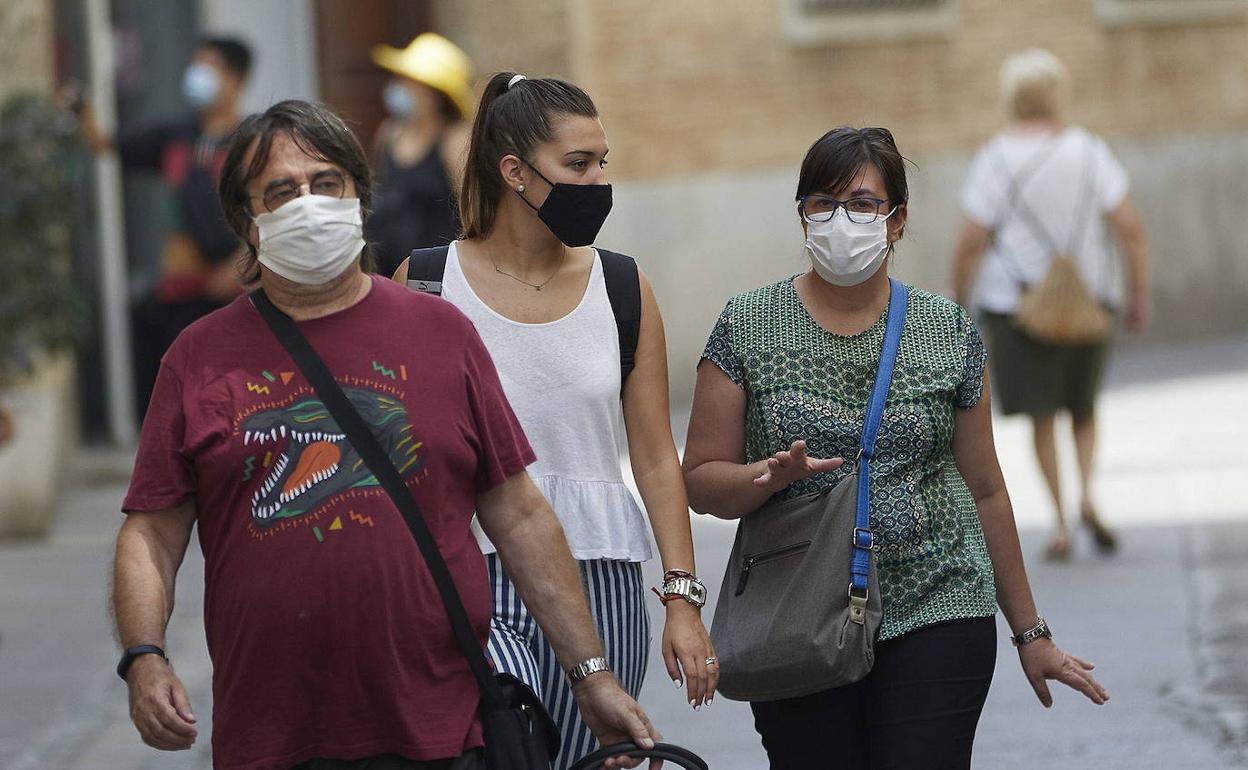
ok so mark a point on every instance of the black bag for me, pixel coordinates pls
(519, 734)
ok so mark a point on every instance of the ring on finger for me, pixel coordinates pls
(711, 661)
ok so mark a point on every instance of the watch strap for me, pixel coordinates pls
(684, 586)
(1040, 630)
(582, 670)
(131, 653)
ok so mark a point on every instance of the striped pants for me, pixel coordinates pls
(518, 647)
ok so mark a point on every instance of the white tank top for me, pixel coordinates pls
(563, 381)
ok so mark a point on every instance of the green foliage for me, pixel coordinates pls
(40, 306)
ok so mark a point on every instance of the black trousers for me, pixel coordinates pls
(916, 710)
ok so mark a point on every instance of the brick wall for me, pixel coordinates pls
(698, 85)
(529, 36)
(718, 88)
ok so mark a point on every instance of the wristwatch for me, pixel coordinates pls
(1039, 631)
(128, 657)
(579, 672)
(683, 585)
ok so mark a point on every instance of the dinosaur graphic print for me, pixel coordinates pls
(313, 463)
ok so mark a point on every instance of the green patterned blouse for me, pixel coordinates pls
(803, 382)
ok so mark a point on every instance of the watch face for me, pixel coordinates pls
(691, 590)
(698, 594)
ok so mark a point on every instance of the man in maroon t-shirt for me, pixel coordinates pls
(328, 638)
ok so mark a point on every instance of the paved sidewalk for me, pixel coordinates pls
(1165, 620)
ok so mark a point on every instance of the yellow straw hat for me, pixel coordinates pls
(434, 61)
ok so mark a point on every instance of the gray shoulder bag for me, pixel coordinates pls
(784, 627)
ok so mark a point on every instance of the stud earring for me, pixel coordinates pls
(520, 188)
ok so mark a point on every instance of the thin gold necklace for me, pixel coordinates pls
(538, 286)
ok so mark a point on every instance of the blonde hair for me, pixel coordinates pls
(1035, 85)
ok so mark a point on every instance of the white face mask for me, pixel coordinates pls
(845, 253)
(200, 85)
(312, 239)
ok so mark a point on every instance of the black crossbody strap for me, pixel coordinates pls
(375, 457)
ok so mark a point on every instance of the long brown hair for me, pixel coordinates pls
(511, 120)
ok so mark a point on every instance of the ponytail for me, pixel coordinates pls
(512, 119)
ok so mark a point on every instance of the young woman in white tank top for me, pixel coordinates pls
(532, 201)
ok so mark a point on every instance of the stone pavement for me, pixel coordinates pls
(1166, 620)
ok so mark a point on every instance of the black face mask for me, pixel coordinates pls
(573, 212)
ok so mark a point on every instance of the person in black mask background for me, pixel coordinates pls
(533, 199)
(197, 271)
(420, 147)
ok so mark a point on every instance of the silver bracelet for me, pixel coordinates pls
(581, 671)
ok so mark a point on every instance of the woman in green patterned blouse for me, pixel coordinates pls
(781, 392)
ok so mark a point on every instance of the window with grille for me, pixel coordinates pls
(816, 22)
(1124, 13)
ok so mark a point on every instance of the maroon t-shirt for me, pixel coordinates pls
(327, 635)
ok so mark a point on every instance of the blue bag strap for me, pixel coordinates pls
(860, 565)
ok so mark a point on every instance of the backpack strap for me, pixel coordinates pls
(624, 290)
(425, 268)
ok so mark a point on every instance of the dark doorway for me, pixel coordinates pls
(347, 30)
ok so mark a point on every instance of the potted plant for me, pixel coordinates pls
(41, 314)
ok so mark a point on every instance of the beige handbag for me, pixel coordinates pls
(1060, 310)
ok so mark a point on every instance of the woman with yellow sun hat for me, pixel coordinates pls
(420, 147)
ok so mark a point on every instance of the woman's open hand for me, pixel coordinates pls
(784, 468)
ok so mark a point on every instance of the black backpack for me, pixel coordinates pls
(425, 268)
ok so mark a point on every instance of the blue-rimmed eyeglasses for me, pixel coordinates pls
(862, 211)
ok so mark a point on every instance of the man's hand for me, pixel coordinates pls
(783, 468)
(159, 706)
(614, 717)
